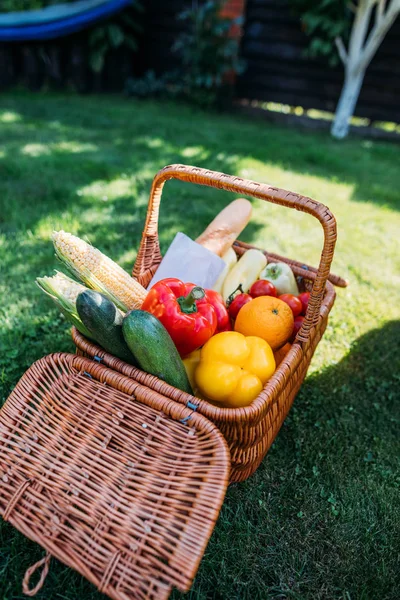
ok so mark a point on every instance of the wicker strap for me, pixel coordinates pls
(149, 251)
(45, 563)
(19, 492)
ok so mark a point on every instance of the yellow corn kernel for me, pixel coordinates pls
(98, 271)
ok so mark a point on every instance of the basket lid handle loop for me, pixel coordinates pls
(45, 563)
(149, 256)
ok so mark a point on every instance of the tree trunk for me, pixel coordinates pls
(347, 103)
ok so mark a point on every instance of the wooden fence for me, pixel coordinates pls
(62, 65)
(64, 62)
(273, 46)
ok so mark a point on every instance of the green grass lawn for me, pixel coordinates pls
(321, 517)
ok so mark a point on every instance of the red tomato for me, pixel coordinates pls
(237, 304)
(304, 298)
(262, 287)
(298, 322)
(294, 303)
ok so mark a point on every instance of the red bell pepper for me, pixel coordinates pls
(184, 311)
(216, 300)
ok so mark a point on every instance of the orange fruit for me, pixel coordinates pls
(280, 354)
(268, 318)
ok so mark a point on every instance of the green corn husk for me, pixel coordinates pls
(64, 291)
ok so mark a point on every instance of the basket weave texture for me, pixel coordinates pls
(249, 431)
(116, 481)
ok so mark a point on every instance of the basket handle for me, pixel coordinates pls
(45, 563)
(149, 252)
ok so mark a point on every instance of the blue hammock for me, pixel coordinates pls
(56, 21)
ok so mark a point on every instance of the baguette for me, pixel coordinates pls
(226, 227)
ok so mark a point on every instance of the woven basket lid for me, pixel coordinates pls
(118, 482)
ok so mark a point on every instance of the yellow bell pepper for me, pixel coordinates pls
(190, 362)
(232, 369)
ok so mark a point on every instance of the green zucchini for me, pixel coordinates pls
(154, 349)
(104, 321)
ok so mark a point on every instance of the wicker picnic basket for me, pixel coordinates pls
(121, 476)
(248, 431)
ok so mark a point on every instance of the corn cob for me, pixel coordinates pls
(64, 291)
(98, 272)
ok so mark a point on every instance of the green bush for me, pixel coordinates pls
(323, 21)
(153, 86)
(207, 51)
(121, 30)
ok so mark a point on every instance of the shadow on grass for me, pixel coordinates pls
(169, 129)
(53, 180)
(319, 518)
